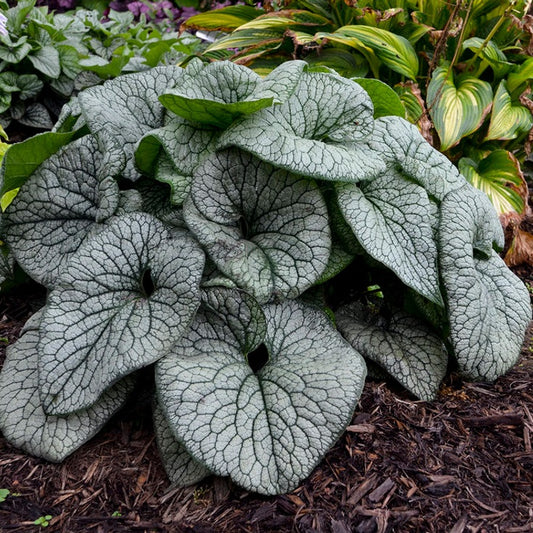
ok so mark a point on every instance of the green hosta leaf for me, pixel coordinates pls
(23, 421)
(180, 467)
(457, 107)
(386, 102)
(226, 19)
(402, 345)
(400, 144)
(264, 228)
(56, 209)
(124, 299)
(267, 430)
(498, 176)
(394, 51)
(172, 153)
(121, 110)
(316, 132)
(23, 158)
(524, 73)
(491, 53)
(488, 305)
(46, 60)
(508, 120)
(391, 219)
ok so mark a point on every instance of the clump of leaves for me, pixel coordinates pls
(210, 223)
(463, 71)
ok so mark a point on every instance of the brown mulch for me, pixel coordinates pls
(463, 463)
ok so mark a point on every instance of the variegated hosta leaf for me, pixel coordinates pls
(404, 346)
(488, 306)
(56, 209)
(516, 80)
(401, 144)
(179, 465)
(217, 94)
(457, 107)
(264, 228)
(23, 421)
(121, 110)
(391, 218)
(316, 132)
(125, 297)
(171, 154)
(266, 429)
(225, 19)
(498, 175)
(509, 119)
(393, 50)
(491, 53)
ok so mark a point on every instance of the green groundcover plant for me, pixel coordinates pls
(253, 240)
(45, 58)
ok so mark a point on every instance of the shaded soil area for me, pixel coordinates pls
(463, 463)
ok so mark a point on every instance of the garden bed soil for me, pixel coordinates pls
(463, 463)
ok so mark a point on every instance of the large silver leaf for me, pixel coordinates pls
(317, 132)
(216, 94)
(121, 110)
(401, 144)
(125, 297)
(179, 465)
(391, 218)
(56, 209)
(266, 429)
(23, 421)
(404, 346)
(264, 228)
(488, 306)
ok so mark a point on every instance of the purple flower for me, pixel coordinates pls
(137, 8)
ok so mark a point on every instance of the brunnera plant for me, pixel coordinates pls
(253, 240)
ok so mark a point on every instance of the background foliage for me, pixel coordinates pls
(462, 70)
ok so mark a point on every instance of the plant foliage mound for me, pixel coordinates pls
(254, 240)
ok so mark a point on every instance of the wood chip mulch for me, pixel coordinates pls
(463, 463)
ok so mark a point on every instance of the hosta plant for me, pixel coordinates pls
(253, 240)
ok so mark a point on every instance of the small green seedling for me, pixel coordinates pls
(43, 521)
(4, 493)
